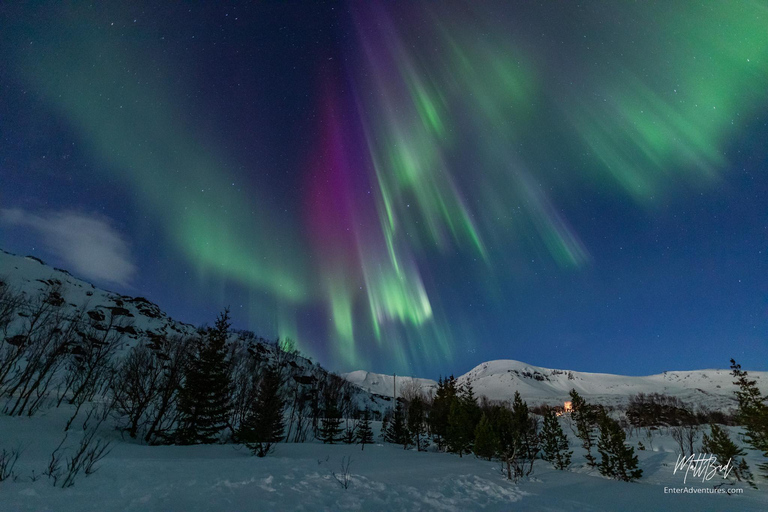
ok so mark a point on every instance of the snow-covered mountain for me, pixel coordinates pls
(140, 319)
(311, 475)
(32, 277)
(498, 380)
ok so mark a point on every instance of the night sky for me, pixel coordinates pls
(403, 186)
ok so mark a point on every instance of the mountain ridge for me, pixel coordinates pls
(496, 379)
(499, 379)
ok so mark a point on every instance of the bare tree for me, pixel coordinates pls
(8, 459)
(344, 477)
(90, 368)
(135, 388)
(174, 353)
(85, 455)
(685, 436)
(246, 365)
(11, 347)
(46, 338)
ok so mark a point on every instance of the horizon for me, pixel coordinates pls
(459, 373)
(402, 189)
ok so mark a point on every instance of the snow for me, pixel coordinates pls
(299, 477)
(498, 380)
(384, 384)
(30, 276)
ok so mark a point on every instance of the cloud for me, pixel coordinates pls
(89, 245)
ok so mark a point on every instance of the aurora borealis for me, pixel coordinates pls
(413, 186)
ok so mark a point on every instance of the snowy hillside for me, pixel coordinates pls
(139, 318)
(498, 380)
(385, 384)
(32, 277)
(306, 474)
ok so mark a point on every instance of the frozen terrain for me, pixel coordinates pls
(300, 477)
(498, 380)
(135, 477)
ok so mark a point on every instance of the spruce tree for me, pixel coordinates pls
(517, 438)
(397, 430)
(585, 416)
(463, 418)
(330, 424)
(349, 435)
(385, 421)
(554, 442)
(618, 460)
(524, 435)
(364, 431)
(264, 425)
(417, 423)
(724, 450)
(459, 437)
(204, 400)
(507, 437)
(752, 413)
(445, 396)
(486, 442)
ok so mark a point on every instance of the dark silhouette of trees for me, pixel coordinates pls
(204, 399)
(264, 424)
(554, 443)
(584, 415)
(330, 423)
(486, 440)
(364, 431)
(396, 431)
(445, 396)
(417, 422)
(463, 418)
(752, 413)
(725, 451)
(618, 460)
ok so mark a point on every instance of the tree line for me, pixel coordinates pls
(218, 385)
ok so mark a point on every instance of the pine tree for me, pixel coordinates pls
(349, 435)
(364, 431)
(517, 438)
(486, 442)
(417, 423)
(397, 430)
(385, 421)
(724, 450)
(507, 439)
(585, 416)
(525, 436)
(554, 442)
(618, 460)
(264, 424)
(445, 396)
(330, 424)
(463, 418)
(752, 413)
(204, 400)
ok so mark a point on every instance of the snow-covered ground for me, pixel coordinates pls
(299, 477)
(382, 477)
